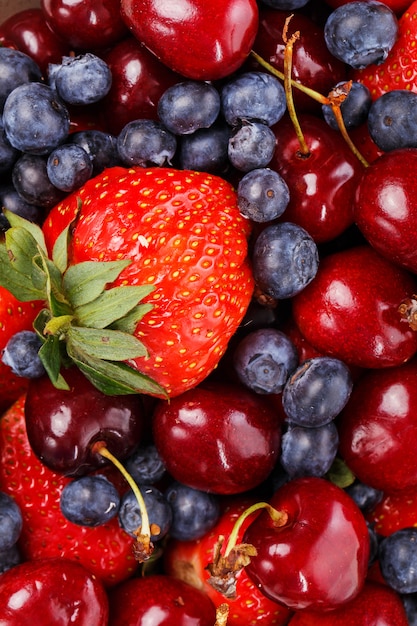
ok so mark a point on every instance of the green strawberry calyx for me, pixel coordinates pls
(84, 322)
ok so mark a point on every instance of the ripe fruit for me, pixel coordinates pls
(52, 592)
(193, 37)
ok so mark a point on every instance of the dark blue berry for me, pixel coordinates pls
(194, 512)
(145, 465)
(285, 260)
(21, 354)
(264, 359)
(146, 143)
(35, 119)
(69, 167)
(398, 560)
(10, 522)
(309, 451)
(262, 195)
(8, 154)
(361, 33)
(31, 181)
(366, 497)
(100, 146)
(206, 150)
(82, 79)
(410, 605)
(317, 391)
(354, 108)
(16, 68)
(9, 558)
(159, 512)
(91, 500)
(258, 316)
(285, 5)
(251, 146)
(189, 106)
(253, 96)
(392, 120)
(12, 201)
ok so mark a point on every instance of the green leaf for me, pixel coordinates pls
(110, 306)
(114, 378)
(57, 302)
(128, 323)
(340, 474)
(41, 321)
(110, 345)
(18, 222)
(84, 282)
(18, 283)
(50, 355)
(60, 250)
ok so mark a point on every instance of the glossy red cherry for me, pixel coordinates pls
(322, 184)
(385, 207)
(318, 559)
(159, 600)
(218, 438)
(350, 309)
(198, 39)
(85, 24)
(48, 592)
(63, 426)
(138, 81)
(378, 428)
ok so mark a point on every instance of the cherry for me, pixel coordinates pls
(316, 557)
(228, 438)
(385, 209)
(160, 600)
(193, 37)
(378, 428)
(350, 310)
(139, 80)
(52, 591)
(29, 32)
(63, 426)
(322, 183)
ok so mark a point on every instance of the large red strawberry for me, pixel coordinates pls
(174, 239)
(399, 70)
(105, 550)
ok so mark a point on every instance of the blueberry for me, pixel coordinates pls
(90, 501)
(68, 167)
(253, 96)
(361, 33)
(410, 604)
(8, 154)
(398, 560)
(264, 359)
(16, 68)
(285, 260)
(100, 146)
(31, 181)
(354, 108)
(12, 201)
(317, 391)
(9, 558)
(251, 146)
(309, 451)
(145, 465)
(82, 79)
(392, 120)
(34, 118)
(366, 497)
(11, 522)
(194, 512)
(159, 512)
(285, 5)
(205, 150)
(146, 143)
(262, 195)
(189, 106)
(21, 354)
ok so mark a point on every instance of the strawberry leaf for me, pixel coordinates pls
(53, 290)
(114, 378)
(110, 306)
(128, 323)
(50, 355)
(84, 282)
(60, 250)
(20, 223)
(17, 282)
(111, 345)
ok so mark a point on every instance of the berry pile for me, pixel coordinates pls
(208, 313)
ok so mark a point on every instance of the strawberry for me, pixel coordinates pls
(172, 239)
(399, 70)
(394, 511)
(105, 550)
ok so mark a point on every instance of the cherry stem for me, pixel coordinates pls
(222, 613)
(280, 518)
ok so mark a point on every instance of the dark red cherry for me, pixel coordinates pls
(63, 426)
(350, 309)
(322, 184)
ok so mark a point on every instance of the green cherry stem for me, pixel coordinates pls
(279, 518)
